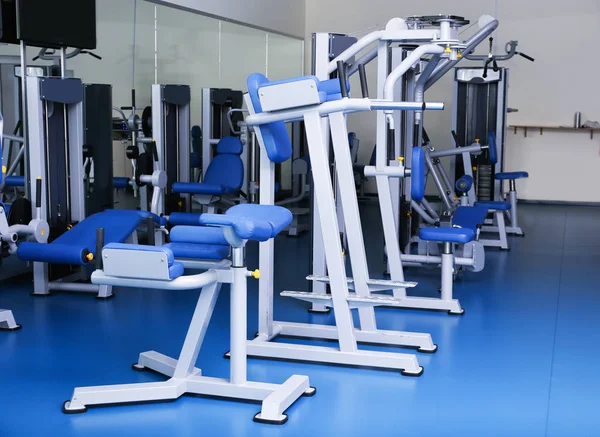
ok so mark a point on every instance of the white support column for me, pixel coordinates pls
(328, 219)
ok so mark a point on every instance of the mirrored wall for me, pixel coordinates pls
(142, 43)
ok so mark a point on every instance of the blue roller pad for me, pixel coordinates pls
(198, 235)
(69, 247)
(199, 251)
(447, 235)
(175, 268)
(275, 135)
(497, 206)
(197, 188)
(252, 222)
(464, 184)
(470, 217)
(121, 182)
(418, 178)
(493, 149)
(511, 175)
(14, 181)
(184, 218)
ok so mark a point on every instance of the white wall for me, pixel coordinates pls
(284, 16)
(560, 35)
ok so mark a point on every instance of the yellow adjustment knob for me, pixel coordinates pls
(3, 169)
(401, 158)
(408, 214)
(90, 257)
(43, 232)
(455, 199)
(180, 204)
(459, 55)
(477, 140)
(474, 168)
(448, 49)
(256, 274)
(343, 253)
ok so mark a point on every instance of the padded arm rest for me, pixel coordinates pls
(14, 181)
(184, 218)
(195, 188)
(245, 228)
(53, 253)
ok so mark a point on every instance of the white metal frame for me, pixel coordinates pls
(7, 321)
(183, 376)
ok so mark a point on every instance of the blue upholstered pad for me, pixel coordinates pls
(184, 218)
(14, 181)
(512, 175)
(196, 188)
(275, 135)
(230, 145)
(71, 246)
(120, 182)
(252, 222)
(469, 217)
(175, 268)
(198, 235)
(418, 178)
(499, 206)
(464, 184)
(447, 235)
(493, 148)
(199, 251)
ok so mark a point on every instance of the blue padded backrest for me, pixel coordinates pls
(418, 177)
(226, 170)
(275, 135)
(230, 145)
(493, 148)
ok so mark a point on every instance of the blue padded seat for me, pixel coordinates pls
(470, 217)
(252, 222)
(498, 206)
(121, 182)
(512, 175)
(14, 181)
(72, 246)
(492, 148)
(175, 268)
(224, 175)
(418, 178)
(198, 235)
(447, 235)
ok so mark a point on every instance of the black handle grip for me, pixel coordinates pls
(341, 68)
(426, 139)
(529, 58)
(150, 229)
(455, 138)
(93, 55)
(495, 66)
(485, 68)
(38, 193)
(364, 86)
(126, 108)
(154, 151)
(99, 247)
(35, 58)
(133, 98)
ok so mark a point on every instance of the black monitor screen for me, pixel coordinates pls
(8, 22)
(57, 23)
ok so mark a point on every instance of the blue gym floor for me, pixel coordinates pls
(523, 361)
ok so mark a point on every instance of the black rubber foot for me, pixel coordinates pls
(138, 368)
(271, 422)
(226, 355)
(106, 298)
(506, 249)
(414, 375)
(16, 328)
(462, 313)
(327, 311)
(65, 411)
(33, 293)
(310, 393)
(427, 351)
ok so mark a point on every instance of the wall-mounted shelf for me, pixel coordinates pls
(591, 131)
